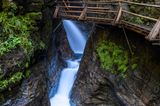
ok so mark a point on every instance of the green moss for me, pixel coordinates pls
(18, 32)
(15, 31)
(14, 79)
(113, 58)
(4, 84)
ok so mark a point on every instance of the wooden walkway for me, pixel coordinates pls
(111, 12)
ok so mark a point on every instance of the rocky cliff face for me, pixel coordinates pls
(95, 86)
(33, 90)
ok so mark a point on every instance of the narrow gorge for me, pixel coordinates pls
(79, 53)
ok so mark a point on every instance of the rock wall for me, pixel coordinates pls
(97, 87)
(33, 91)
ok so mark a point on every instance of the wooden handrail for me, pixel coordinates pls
(80, 7)
(91, 2)
(96, 18)
(108, 2)
(138, 15)
(92, 12)
(73, 10)
(141, 4)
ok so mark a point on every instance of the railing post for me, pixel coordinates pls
(155, 31)
(65, 4)
(56, 12)
(119, 14)
(82, 16)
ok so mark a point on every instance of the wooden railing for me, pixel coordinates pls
(110, 12)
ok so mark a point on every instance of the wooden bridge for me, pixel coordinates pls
(114, 12)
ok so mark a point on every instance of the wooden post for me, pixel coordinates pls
(119, 14)
(56, 12)
(65, 4)
(155, 31)
(82, 16)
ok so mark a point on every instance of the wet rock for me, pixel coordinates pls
(97, 87)
(33, 91)
(11, 62)
(63, 48)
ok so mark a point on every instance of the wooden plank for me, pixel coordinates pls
(91, 2)
(87, 18)
(103, 11)
(138, 15)
(155, 31)
(83, 13)
(99, 19)
(76, 7)
(56, 12)
(81, 7)
(70, 16)
(89, 12)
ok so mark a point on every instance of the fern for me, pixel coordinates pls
(112, 57)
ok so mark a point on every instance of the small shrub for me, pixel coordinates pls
(112, 58)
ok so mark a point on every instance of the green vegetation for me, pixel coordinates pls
(15, 78)
(113, 58)
(145, 11)
(16, 30)
(136, 20)
(12, 80)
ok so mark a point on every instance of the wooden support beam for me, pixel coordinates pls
(91, 2)
(65, 4)
(155, 31)
(70, 16)
(101, 11)
(81, 7)
(98, 18)
(89, 12)
(56, 12)
(87, 18)
(83, 13)
(119, 14)
(97, 12)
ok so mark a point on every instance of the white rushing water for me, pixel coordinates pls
(77, 43)
(76, 40)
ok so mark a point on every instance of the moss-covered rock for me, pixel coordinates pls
(113, 58)
(20, 41)
(96, 86)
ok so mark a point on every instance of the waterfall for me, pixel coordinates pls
(75, 37)
(77, 43)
